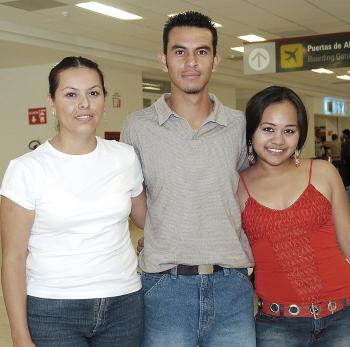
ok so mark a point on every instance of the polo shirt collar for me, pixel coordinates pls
(218, 114)
(162, 108)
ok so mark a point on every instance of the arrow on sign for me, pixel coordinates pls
(259, 59)
(259, 56)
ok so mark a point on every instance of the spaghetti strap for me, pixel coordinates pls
(244, 183)
(310, 171)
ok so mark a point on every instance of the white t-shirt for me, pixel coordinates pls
(79, 245)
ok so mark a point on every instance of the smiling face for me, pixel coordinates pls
(189, 59)
(277, 135)
(79, 101)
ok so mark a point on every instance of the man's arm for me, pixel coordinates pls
(243, 156)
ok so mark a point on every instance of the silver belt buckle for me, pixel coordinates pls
(314, 310)
(205, 269)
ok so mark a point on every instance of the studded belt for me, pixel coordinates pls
(314, 310)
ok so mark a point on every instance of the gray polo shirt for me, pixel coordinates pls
(191, 180)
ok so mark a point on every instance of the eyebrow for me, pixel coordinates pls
(95, 86)
(183, 47)
(273, 124)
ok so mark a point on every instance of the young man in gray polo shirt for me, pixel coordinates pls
(191, 147)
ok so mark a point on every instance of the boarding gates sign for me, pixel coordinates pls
(297, 54)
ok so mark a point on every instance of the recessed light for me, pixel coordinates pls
(151, 84)
(322, 70)
(251, 38)
(150, 88)
(238, 49)
(344, 77)
(108, 10)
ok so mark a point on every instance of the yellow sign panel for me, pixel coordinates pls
(291, 56)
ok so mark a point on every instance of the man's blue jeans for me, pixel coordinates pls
(108, 322)
(213, 310)
(330, 331)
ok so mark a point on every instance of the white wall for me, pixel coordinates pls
(22, 88)
(27, 87)
(226, 94)
(128, 83)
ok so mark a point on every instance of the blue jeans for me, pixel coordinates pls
(330, 331)
(213, 310)
(115, 321)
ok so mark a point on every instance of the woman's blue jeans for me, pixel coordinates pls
(106, 322)
(330, 331)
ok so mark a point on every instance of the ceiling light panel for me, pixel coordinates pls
(344, 77)
(322, 70)
(238, 49)
(251, 38)
(108, 10)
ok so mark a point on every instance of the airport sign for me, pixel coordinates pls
(297, 54)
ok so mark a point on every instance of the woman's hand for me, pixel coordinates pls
(140, 245)
(26, 342)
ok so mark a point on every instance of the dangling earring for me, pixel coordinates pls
(296, 157)
(251, 157)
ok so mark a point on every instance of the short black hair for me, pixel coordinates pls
(334, 137)
(274, 94)
(68, 63)
(189, 19)
(346, 132)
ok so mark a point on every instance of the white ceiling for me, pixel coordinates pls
(36, 35)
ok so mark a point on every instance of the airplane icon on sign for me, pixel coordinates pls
(291, 55)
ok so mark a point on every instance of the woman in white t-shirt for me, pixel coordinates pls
(69, 269)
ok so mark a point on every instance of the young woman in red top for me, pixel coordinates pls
(297, 218)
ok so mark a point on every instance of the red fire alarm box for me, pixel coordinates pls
(37, 116)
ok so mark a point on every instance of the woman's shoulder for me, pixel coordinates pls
(325, 177)
(114, 145)
(117, 149)
(323, 167)
(32, 157)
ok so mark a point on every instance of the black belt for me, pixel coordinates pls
(189, 270)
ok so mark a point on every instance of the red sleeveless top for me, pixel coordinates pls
(297, 258)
